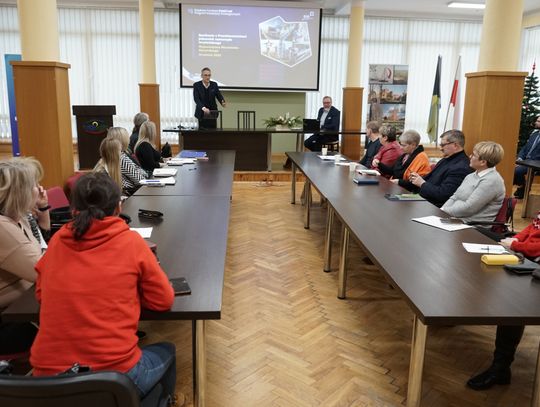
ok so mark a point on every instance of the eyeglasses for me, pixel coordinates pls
(442, 145)
(206, 74)
(403, 144)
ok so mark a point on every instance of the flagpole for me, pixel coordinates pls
(450, 100)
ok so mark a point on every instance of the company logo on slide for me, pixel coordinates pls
(286, 42)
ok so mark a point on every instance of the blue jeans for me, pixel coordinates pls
(157, 365)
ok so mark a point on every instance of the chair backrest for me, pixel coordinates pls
(102, 389)
(245, 119)
(70, 182)
(505, 216)
(57, 197)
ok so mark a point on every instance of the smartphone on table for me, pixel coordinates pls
(180, 286)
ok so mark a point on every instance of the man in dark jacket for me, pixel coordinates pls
(441, 183)
(373, 144)
(530, 151)
(205, 93)
(329, 118)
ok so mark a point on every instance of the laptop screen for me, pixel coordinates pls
(311, 125)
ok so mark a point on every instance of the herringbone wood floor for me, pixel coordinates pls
(286, 340)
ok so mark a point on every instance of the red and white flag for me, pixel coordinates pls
(453, 118)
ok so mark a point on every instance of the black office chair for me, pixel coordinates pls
(245, 119)
(101, 389)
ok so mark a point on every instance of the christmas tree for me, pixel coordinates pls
(530, 109)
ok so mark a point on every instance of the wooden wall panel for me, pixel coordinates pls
(149, 101)
(44, 117)
(492, 112)
(351, 120)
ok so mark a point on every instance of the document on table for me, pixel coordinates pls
(484, 248)
(144, 232)
(436, 222)
(330, 158)
(158, 182)
(181, 161)
(165, 172)
(368, 172)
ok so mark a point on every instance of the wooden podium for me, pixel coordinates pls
(92, 125)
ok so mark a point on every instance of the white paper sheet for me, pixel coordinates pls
(436, 222)
(484, 248)
(144, 232)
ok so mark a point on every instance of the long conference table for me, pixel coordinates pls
(253, 146)
(191, 241)
(441, 282)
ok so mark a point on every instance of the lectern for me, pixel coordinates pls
(92, 125)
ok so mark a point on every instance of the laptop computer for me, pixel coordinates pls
(311, 125)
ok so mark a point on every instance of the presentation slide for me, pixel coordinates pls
(250, 47)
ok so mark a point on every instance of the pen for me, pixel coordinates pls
(487, 249)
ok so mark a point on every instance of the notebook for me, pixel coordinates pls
(365, 180)
(311, 125)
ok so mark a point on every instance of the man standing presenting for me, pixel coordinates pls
(441, 183)
(205, 93)
(373, 144)
(530, 151)
(329, 117)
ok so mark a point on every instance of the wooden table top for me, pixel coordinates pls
(213, 177)
(442, 282)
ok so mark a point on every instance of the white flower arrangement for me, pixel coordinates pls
(287, 120)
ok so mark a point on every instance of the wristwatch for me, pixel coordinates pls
(45, 208)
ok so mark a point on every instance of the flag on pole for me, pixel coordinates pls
(433, 123)
(454, 105)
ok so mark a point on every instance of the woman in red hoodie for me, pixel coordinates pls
(92, 282)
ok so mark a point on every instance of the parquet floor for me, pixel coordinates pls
(286, 340)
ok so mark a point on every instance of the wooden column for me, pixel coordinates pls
(493, 112)
(149, 101)
(44, 117)
(351, 120)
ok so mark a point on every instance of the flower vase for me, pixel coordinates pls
(282, 127)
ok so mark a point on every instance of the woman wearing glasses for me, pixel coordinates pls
(480, 195)
(412, 160)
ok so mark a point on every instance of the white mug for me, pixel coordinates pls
(324, 150)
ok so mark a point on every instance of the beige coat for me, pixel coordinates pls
(19, 252)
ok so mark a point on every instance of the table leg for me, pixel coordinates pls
(342, 274)
(199, 365)
(269, 153)
(307, 197)
(418, 348)
(293, 184)
(299, 142)
(535, 402)
(328, 239)
(528, 184)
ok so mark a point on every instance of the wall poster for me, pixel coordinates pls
(387, 95)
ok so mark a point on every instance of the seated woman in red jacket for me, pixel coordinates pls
(508, 337)
(390, 150)
(92, 282)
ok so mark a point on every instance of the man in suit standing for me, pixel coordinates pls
(441, 183)
(205, 93)
(530, 151)
(329, 118)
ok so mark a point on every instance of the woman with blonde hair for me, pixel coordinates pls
(138, 120)
(145, 150)
(20, 250)
(480, 195)
(109, 150)
(132, 174)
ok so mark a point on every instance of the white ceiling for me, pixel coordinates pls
(394, 8)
